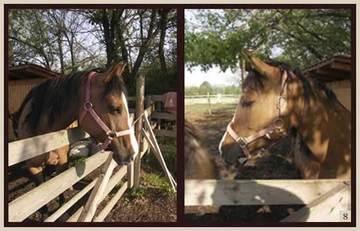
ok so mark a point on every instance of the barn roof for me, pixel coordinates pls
(335, 68)
(30, 71)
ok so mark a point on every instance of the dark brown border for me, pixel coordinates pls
(180, 112)
(180, 115)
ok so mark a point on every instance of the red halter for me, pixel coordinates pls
(88, 108)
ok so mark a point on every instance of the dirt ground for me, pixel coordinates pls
(274, 166)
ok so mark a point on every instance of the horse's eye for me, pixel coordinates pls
(115, 110)
(246, 102)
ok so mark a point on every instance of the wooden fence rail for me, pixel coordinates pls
(256, 192)
(25, 149)
(20, 208)
(323, 199)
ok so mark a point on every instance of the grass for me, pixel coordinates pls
(168, 149)
(153, 177)
(203, 108)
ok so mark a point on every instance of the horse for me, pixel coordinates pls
(276, 98)
(199, 163)
(96, 100)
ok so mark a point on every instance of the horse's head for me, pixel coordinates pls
(261, 114)
(105, 113)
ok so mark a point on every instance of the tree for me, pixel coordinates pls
(205, 88)
(70, 40)
(216, 37)
(131, 35)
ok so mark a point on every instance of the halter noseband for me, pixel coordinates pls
(88, 108)
(276, 127)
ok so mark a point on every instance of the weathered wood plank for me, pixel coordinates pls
(99, 189)
(25, 149)
(25, 205)
(115, 179)
(107, 209)
(140, 92)
(76, 215)
(255, 192)
(157, 152)
(333, 206)
(130, 174)
(71, 202)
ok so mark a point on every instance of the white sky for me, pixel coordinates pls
(214, 76)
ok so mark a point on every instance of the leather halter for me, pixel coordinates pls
(276, 127)
(89, 109)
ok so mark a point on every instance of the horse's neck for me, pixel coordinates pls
(326, 130)
(62, 120)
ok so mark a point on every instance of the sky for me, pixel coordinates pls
(214, 76)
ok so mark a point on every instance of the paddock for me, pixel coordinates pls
(109, 176)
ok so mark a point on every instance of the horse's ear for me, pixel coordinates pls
(271, 72)
(114, 71)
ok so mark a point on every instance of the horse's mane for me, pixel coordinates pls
(254, 81)
(54, 96)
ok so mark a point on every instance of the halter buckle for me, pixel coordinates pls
(87, 106)
(241, 141)
(111, 134)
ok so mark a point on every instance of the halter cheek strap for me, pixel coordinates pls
(88, 108)
(276, 126)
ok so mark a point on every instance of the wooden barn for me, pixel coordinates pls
(22, 78)
(335, 72)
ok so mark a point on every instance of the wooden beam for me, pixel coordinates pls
(110, 205)
(99, 189)
(76, 215)
(71, 202)
(140, 98)
(255, 192)
(115, 179)
(25, 149)
(130, 174)
(341, 66)
(25, 205)
(157, 152)
(332, 206)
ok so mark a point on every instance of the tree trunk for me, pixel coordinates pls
(163, 22)
(151, 34)
(107, 39)
(61, 54)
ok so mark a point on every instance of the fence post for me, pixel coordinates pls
(209, 103)
(140, 92)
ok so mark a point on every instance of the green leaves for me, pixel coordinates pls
(304, 36)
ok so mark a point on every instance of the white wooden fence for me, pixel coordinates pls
(211, 99)
(25, 205)
(326, 200)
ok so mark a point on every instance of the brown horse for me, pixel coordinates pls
(199, 163)
(274, 100)
(96, 100)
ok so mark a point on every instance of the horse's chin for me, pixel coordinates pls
(120, 161)
(120, 158)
